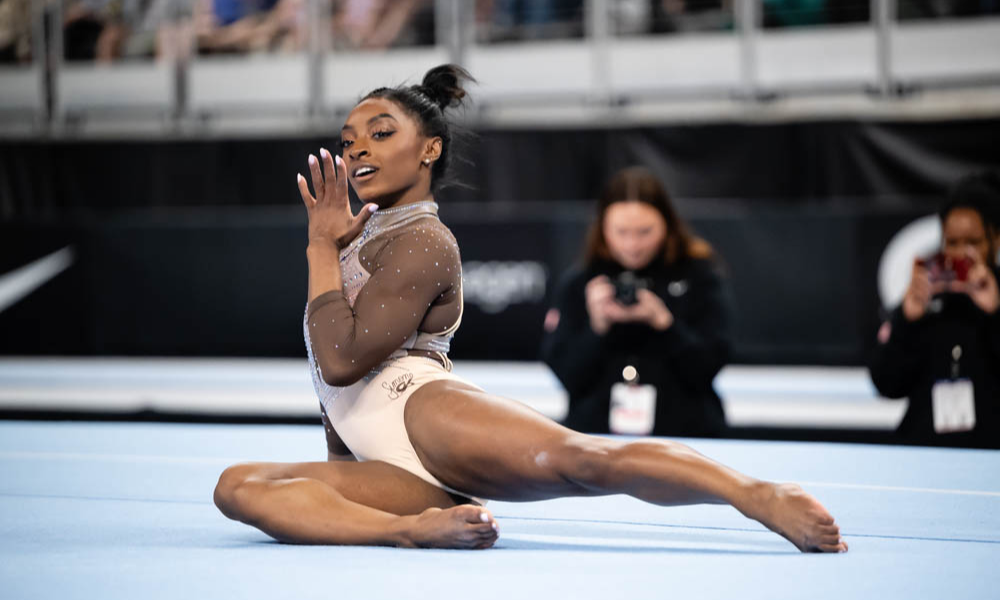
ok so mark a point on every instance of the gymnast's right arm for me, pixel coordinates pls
(572, 349)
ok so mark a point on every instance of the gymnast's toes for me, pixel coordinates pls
(801, 519)
(482, 528)
(465, 526)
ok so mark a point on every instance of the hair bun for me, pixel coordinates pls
(443, 85)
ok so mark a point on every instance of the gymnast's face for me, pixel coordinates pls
(635, 233)
(385, 152)
(963, 230)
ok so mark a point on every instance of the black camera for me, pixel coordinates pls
(626, 285)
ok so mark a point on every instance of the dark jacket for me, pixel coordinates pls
(918, 354)
(680, 362)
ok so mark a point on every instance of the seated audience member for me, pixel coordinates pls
(250, 25)
(670, 16)
(84, 25)
(109, 30)
(793, 13)
(158, 28)
(638, 333)
(15, 31)
(507, 20)
(941, 347)
(381, 24)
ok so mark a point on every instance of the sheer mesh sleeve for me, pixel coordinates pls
(415, 284)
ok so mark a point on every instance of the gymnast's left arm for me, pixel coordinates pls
(348, 341)
(409, 274)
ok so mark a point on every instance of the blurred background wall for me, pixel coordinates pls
(148, 150)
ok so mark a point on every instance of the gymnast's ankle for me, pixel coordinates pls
(754, 498)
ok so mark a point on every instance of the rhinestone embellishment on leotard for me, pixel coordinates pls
(356, 274)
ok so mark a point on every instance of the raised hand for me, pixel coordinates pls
(650, 309)
(919, 293)
(330, 218)
(981, 285)
(601, 306)
(605, 311)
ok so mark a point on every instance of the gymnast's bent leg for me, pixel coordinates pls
(494, 448)
(350, 503)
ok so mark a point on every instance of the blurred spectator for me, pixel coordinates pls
(983, 189)
(629, 17)
(797, 13)
(15, 31)
(507, 20)
(680, 16)
(940, 9)
(638, 333)
(109, 30)
(224, 26)
(793, 13)
(106, 30)
(848, 11)
(941, 347)
(379, 24)
(669, 16)
(84, 24)
(159, 28)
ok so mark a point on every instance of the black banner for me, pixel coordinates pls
(204, 283)
(794, 162)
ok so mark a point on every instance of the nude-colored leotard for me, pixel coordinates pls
(387, 332)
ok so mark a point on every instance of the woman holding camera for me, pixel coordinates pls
(639, 332)
(941, 347)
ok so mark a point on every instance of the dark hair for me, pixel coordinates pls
(980, 192)
(638, 184)
(441, 89)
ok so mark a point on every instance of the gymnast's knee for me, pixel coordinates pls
(229, 493)
(588, 461)
(598, 464)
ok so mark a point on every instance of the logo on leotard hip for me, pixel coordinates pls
(398, 385)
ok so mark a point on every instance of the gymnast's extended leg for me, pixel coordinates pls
(494, 448)
(370, 503)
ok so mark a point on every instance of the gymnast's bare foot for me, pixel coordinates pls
(798, 517)
(464, 527)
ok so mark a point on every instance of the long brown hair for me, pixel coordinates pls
(638, 184)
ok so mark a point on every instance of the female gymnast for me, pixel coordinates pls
(412, 447)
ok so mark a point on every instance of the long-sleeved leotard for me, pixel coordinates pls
(387, 332)
(402, 296)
